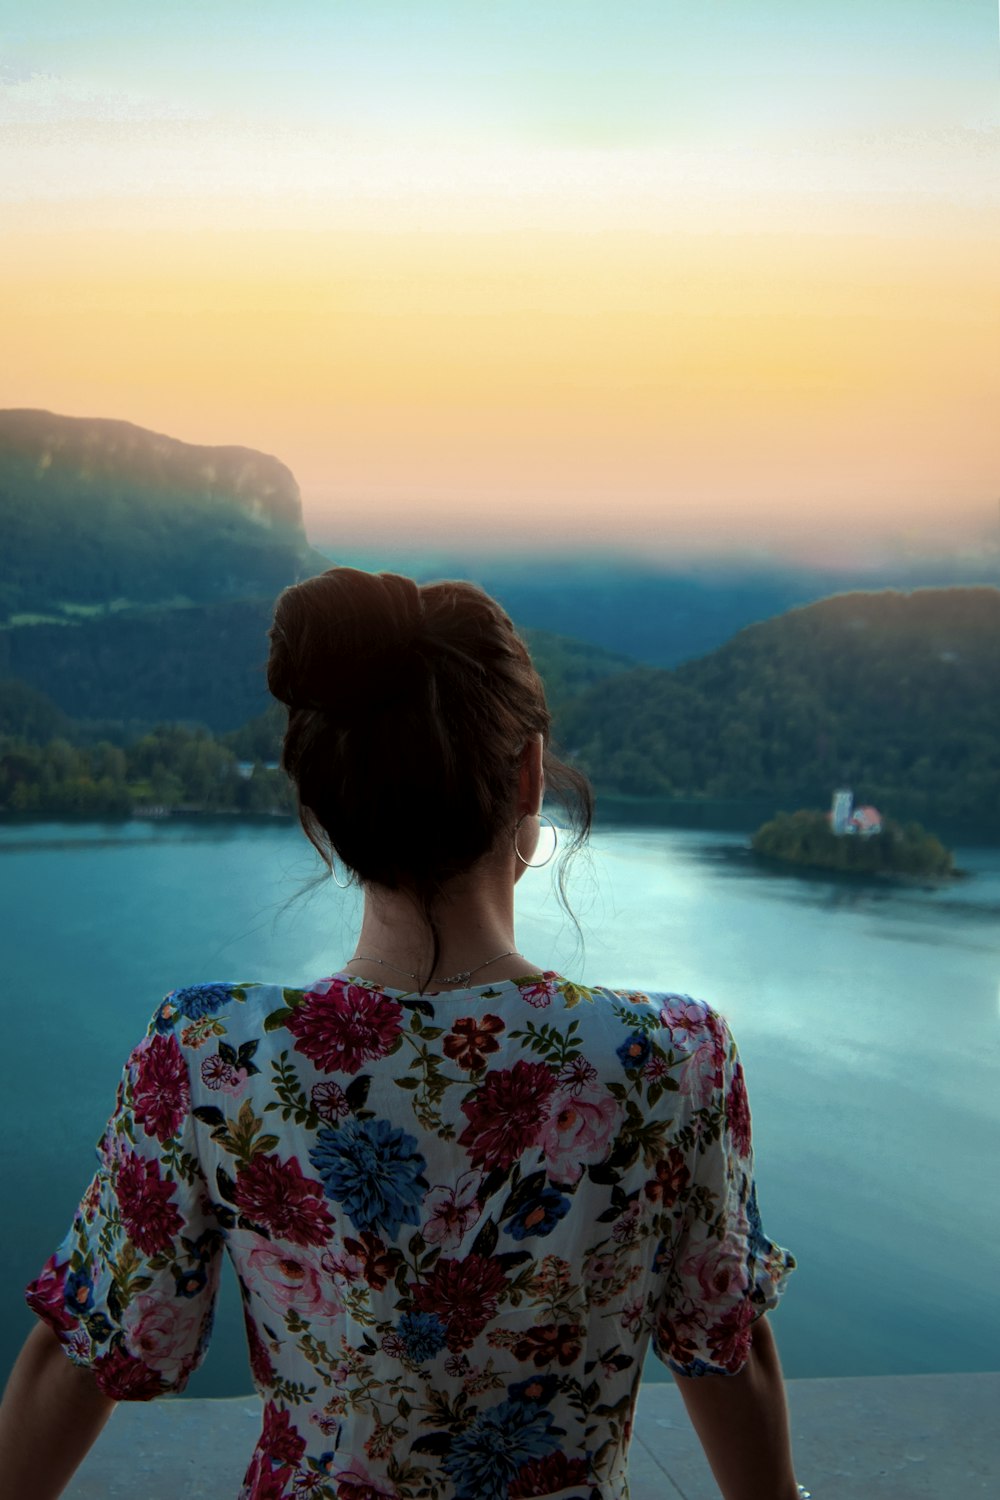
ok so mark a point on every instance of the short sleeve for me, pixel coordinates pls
(719, 1271)
(130, 1292)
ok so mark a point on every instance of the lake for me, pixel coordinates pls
(868, 1017)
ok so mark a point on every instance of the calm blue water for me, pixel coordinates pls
(867, 1016)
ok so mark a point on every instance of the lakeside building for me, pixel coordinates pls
(846, 819)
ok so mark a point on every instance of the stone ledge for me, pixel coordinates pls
(907, 1437)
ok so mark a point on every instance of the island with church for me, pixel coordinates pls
(854, 840)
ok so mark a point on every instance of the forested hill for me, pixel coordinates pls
(896, 695)
(101, 516)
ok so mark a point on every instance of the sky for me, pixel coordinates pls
(653, 277)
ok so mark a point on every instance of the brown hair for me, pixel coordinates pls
(408, 709)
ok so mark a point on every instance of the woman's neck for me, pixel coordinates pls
(475, 924)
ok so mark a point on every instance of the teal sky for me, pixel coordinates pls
(567, 72)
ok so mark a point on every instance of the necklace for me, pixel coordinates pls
(462, 977)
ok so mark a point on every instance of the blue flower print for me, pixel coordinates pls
(538, 1389)
(423, 1334)
(486, 1456)
(634, 1050)
(375, 1171)
(201, 1000)
(190, 1283)
(196, 1001)
(78, 1293)
(540, 1215)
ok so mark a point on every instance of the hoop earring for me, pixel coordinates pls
(342, 885)
(542, 818)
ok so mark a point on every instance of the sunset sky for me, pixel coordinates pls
(646, 275)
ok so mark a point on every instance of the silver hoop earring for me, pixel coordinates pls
(342, 885)
(542, 818)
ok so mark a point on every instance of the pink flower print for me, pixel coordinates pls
(145, 1199)
(276, 1194)
(47, 1296)
(216, 1073)
(160, 1091)
(655, 1069)
(719, 1270)
(701, 1071)
(506, 1114)
(729, 1340)
(541, 990)
(682, 1017)
(453, 1211)
(356, 1483)
(283, 1443)
(284, 1279)
(234, 1081)
(626, 1226)
(163, 1335)
(578, 1074)
(345, 1026)
(346, 1269)
(738, 1112)
(631, 1317)
(580, 1125)
(329, 1101)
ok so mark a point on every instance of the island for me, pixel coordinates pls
(854, 841)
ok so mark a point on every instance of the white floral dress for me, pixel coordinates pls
(457, 1220)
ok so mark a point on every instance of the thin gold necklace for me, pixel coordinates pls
(462, 977)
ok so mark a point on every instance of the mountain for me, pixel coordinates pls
(666, 611)
(100, 517)
(895, 694)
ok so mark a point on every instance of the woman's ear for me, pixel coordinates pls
(531, 782)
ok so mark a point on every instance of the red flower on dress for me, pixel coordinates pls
(670, 1181)
(506, 1113)
(161, 1094)
(729, 1340)
(550, 1342)
(280, 1440)
(379, 1264)
(738, 1112)
(463, 1294)
(46, 1296)
(471, 1039)
(261, 1482)
(261, 1366)
(151, 1220)
(345, 1026)
(543, 1476)
(121, 1375)
(275, 1194)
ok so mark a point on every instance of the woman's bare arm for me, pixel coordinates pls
(742, 1422)
(52, 1412)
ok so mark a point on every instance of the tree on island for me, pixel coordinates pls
(806, 838)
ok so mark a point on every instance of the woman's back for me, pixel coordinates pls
(457, 1219)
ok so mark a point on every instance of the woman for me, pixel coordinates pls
(461, 1192)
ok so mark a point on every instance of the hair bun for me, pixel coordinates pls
(345, 639)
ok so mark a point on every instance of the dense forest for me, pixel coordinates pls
(136, 588)
(896, 695)
(892, 694)
(98, 517)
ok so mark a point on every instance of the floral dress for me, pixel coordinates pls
(457, 1220)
